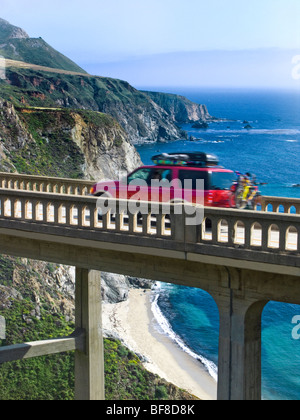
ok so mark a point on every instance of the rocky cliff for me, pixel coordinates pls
(142, 119)
(50, 142)
(180, 109)
(53, 142)
(144, 116)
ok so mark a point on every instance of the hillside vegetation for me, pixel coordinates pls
(16, 44)
(37, 302)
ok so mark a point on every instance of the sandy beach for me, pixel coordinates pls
(135, 324)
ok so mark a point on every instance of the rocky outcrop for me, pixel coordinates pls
(180, 109)
(61, 143)
(13, 135)
(104, 144)
(8, 31)
(115, 287)
(52, 287)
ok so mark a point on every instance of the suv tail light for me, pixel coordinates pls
(210, 198)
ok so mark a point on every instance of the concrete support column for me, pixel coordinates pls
(239, 348)
(89, 365)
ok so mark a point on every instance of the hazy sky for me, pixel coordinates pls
(93, 32)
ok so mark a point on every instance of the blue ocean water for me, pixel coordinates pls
(271, 150)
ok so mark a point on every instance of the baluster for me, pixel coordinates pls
(93, 213)
(131, 222)
(56, 212)
(118, 216)
(81, 216)
(247, 224)
(159, 224)
(282, 236)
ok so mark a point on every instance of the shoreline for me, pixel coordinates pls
(134, 323)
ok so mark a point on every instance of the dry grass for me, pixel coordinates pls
(22, 65)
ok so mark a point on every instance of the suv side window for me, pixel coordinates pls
(222, 180)
(162, 175)
(194, 176)
(141, 176)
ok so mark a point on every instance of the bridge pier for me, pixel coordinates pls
(89, 364)
(239, 376)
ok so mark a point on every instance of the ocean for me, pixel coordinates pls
(271, 151)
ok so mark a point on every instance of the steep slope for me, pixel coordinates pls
(9, 32)
(16, 44)
(144, 116)
(180, 109)
(59, 142)
(141, 118)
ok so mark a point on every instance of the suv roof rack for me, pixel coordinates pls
(186, 159)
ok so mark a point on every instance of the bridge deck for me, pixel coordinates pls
(242, 258)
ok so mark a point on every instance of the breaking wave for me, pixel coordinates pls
(169, 332)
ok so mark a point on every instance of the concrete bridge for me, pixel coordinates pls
(244, 259)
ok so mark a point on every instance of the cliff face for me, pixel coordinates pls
(180, 109)
(82, 144)
(29, 82)
(141, 118)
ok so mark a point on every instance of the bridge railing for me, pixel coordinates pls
(240, 229)
(280, 205)
(250, 230)
(82, 187)
(45, 184)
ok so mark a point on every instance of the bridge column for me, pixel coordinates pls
(239, 348)
(89, 365)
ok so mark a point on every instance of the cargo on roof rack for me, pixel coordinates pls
(186, 159)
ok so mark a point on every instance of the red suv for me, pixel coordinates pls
(176, 177)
